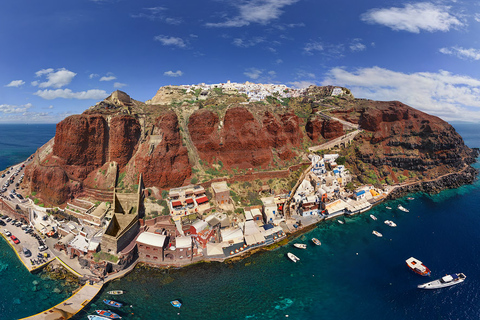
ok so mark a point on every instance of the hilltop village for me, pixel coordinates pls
(211, 172)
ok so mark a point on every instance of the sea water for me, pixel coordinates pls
(352, 275)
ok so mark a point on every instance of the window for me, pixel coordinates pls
(148, 256)
(155, 258)
(147, 248)
(181, 249)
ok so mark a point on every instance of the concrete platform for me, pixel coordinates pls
(71, 306)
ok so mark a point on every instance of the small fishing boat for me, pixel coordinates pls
(300, 245)
(316, 241)
(116, 292)
(410, 198)
(292, 257)
(108, 314)
(378, 234)
(390, 223)
(400, 207)
(446, 281)
(417, 266)
(373, 217)
(340, 221)
(94, 317)
(389, 208)
(112, 303)
(176, 303)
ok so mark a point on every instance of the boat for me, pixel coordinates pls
(112, 303)
(108, 314)
(417, 266)
(390, 223)
(340, 221)
(292, 257)
(116, 292)
(94, 317)
(389, 208)
(410, 198)
(300, 245)
(176, 303)
(373, 217)
(400, 207)
(378, 234)
(446, 281)
(316, 241)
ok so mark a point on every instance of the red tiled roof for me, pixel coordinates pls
(201, 200)
(176, 203)
(189, 200)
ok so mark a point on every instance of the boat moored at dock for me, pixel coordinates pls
(293, 257)
(446, 281)
(378, 234)
(417, 266)
(300, 245)
(390, 223)
(316, 241)
(116, 292)
(401, 208)
(108, 314)
(112, 303)
(373, 217)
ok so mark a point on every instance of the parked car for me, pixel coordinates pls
(12, 196)
(26, 252)
(7, 233)
(19, 196)
(18, 224)
(42, 248)
(14, 239)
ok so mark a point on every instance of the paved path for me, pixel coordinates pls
(71, 306)
(337, 141)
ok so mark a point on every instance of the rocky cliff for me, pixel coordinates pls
(179, 136)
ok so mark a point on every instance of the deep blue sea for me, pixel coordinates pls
(353, 275)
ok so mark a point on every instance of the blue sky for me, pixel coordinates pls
(60, 57)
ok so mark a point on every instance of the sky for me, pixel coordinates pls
(59, 57)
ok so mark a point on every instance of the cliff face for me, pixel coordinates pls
(398, 136)
(126, 138)
(243, 141)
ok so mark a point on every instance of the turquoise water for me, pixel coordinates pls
(353, 275)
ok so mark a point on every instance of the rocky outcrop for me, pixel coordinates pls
(162, 159)
(243, 142)
(327, 129)
(124, 135)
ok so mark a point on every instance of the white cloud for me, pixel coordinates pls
(301, 84)
(153, 13)
(119, 85)
(450, 96)
(356, 45)
(93, 75)
(253, 73)
(69, 94)
(255, 11)
(15, 83)
(175, 74)
(108, 78)
(55, 79)
(6, 108)
(278, 61)
(477, 17)
(313, 46)
(422, 16)
(247, 43)
(170, 41)
(462, 53)
(50, 107)
(304, 74)
(272, 73)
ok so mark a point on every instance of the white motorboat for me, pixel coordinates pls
(300, 245)
(293, 257)
(390, 223)
(400, 207)
(389, 208)
(378, 234)
(446, 281)
(316, 241)
(340, 221)
(373, 217)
